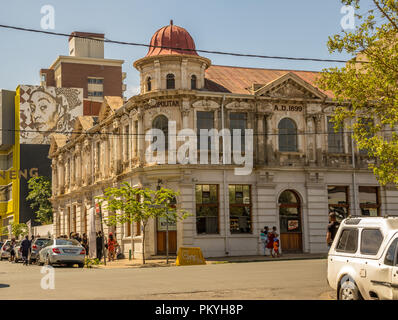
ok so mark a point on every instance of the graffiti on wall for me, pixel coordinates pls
(45, 110)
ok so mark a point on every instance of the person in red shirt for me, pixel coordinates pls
(111, 247)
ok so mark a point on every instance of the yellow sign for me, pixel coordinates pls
(189, 256)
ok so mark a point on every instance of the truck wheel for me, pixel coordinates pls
(349, 291)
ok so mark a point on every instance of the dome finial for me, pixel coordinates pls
(171, 22)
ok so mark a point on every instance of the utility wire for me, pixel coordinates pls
(174, 48)
(144, 134)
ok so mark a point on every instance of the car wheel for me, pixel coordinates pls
(81, 265)
(349, 291)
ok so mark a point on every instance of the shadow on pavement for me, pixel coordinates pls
(2, 285)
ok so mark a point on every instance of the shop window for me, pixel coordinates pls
(240, 209)
(366, 124)
(148, 84)
(6, 193)
(193, 82)
(348, 241)
(371, 240)
(335, 139)
(392, 254)
(287, 135)
(204, 120)
(138, 228)
(6, 161)
(338, 201)
(207, 209)
(238, 121)
(369, 201)
(170, 81)
(162, 123)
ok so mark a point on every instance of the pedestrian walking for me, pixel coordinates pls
(270, 244)
(333, 226)
(25, 245)
(85, 243)
(100, 245)
(275, 243)
(12, 249)
(111, 247)
(264, 239)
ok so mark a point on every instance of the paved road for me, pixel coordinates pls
(305, 279)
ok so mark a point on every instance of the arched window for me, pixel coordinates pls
(287, 135)
(193, 82)
(148, 84)
(170, 81)
(162, 123)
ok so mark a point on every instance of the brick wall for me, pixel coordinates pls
(75, 75)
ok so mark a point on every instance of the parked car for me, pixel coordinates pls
(18, 253)
(363, 259)
(5, 250)
(36, 246)
(62, 251)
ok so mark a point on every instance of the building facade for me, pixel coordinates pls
(302, 168)
(86, 68)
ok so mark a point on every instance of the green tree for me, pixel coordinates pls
(127, 204)
(39, 196)
(366, 87)
(19, 229)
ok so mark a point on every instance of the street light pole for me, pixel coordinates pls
(167, 236)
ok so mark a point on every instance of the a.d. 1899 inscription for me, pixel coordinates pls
(289, 108)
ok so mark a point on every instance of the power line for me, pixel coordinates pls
(144, 134)
(174, 48)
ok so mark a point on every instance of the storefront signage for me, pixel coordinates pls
(162, 225)
(288, 108)
(292, 225)
(188, 256)
(168, 103)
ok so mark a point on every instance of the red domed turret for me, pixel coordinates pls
(172, 37)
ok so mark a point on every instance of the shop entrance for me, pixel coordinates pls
(290, 222)
(161, 237)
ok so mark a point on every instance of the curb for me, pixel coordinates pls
(268, 260)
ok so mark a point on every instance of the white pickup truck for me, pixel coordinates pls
(363, 259)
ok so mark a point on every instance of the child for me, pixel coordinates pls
(275, 251)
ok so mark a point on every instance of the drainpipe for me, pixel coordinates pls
(225, 187)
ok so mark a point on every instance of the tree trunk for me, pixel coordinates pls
(143, 244)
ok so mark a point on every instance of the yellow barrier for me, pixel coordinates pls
(188, 256)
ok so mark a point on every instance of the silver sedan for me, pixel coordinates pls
(62, 251)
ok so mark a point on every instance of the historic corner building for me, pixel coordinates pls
(73, 86)
(302, 169)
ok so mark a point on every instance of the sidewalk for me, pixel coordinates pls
(160, 261)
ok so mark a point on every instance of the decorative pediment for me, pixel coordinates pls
(290, 86)
(109, 106)
(81, 124)
(210, 104)
(57, 141)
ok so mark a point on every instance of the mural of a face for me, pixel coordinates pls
(42, 112)
(46, 110)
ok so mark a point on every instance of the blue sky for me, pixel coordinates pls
(267, 27)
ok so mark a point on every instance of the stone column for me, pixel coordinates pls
(54, 176)
(311, 138)
(158, 80)
(318, 139)
(133, 132)
(141, 139)
(260, 138)
(67, 174)
(184, 82)
(269, 146)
